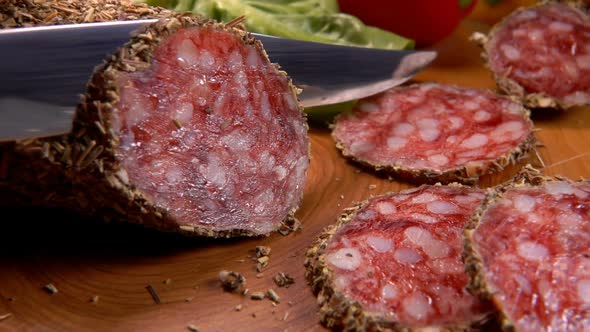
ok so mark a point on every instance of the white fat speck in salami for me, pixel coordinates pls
(190, 122)
(474, 132)
(399, 267)
(540, 50)
(380, 244)
(345, 258)
(537, 272)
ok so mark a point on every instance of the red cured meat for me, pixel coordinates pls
(399, 256)
(443, 132)
(545, 49)
(213, 132)
(534, 248)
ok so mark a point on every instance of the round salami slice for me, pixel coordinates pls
(188, 127)
(435, 133)
(542, 55)
(528, 249)
(394, 263)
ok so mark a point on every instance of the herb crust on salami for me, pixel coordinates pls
(392, 263)
(430, 133)
(541, 54)
(527, 249)
(188, 128)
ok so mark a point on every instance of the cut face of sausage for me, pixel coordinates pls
(530, 250)
(213, 133)
(398, 257)
(544, 50)
(435, 132)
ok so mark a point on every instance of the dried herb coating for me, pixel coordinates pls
(80, 171)
(27, 13)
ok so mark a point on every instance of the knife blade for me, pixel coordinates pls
(44, 70)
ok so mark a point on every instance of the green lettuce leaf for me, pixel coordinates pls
(311, 20)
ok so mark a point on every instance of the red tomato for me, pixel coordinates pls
(424, 21)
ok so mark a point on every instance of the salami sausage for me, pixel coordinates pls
(188, 127)
(528, 249)
(394, 263)
(435, 133)
(542, 55)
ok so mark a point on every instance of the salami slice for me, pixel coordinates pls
(528, 249)
(188, 127)
(435, 133)
(394, 263)
(542, 55)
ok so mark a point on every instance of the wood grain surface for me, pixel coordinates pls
(84, 258)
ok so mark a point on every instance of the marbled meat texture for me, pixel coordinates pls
(398, 257)
(213, 132)
(432, 132)
(542, 53)
(530, 250)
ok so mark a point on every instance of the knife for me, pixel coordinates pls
(43, 71)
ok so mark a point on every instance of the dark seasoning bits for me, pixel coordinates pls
(232, 282)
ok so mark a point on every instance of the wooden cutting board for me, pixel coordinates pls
(84, 258)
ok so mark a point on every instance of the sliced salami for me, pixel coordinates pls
(435, 133)
(188, 127)
(528, 250)
(542, 55)
(394, 263)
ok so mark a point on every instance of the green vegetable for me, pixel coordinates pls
(312, 20)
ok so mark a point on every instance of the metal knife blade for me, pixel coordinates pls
(43, 70)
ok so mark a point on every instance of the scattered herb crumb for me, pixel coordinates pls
(262, 251)
(50, 288)
(257, 296)
(289, 226)
(273, 296)
(94, 299)
(253, 315)
(238, 307)
(232, 282)
(5, 316)
(262, 263)
(154, 294)
(167, 281)
(192, 328)
(283, 280)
